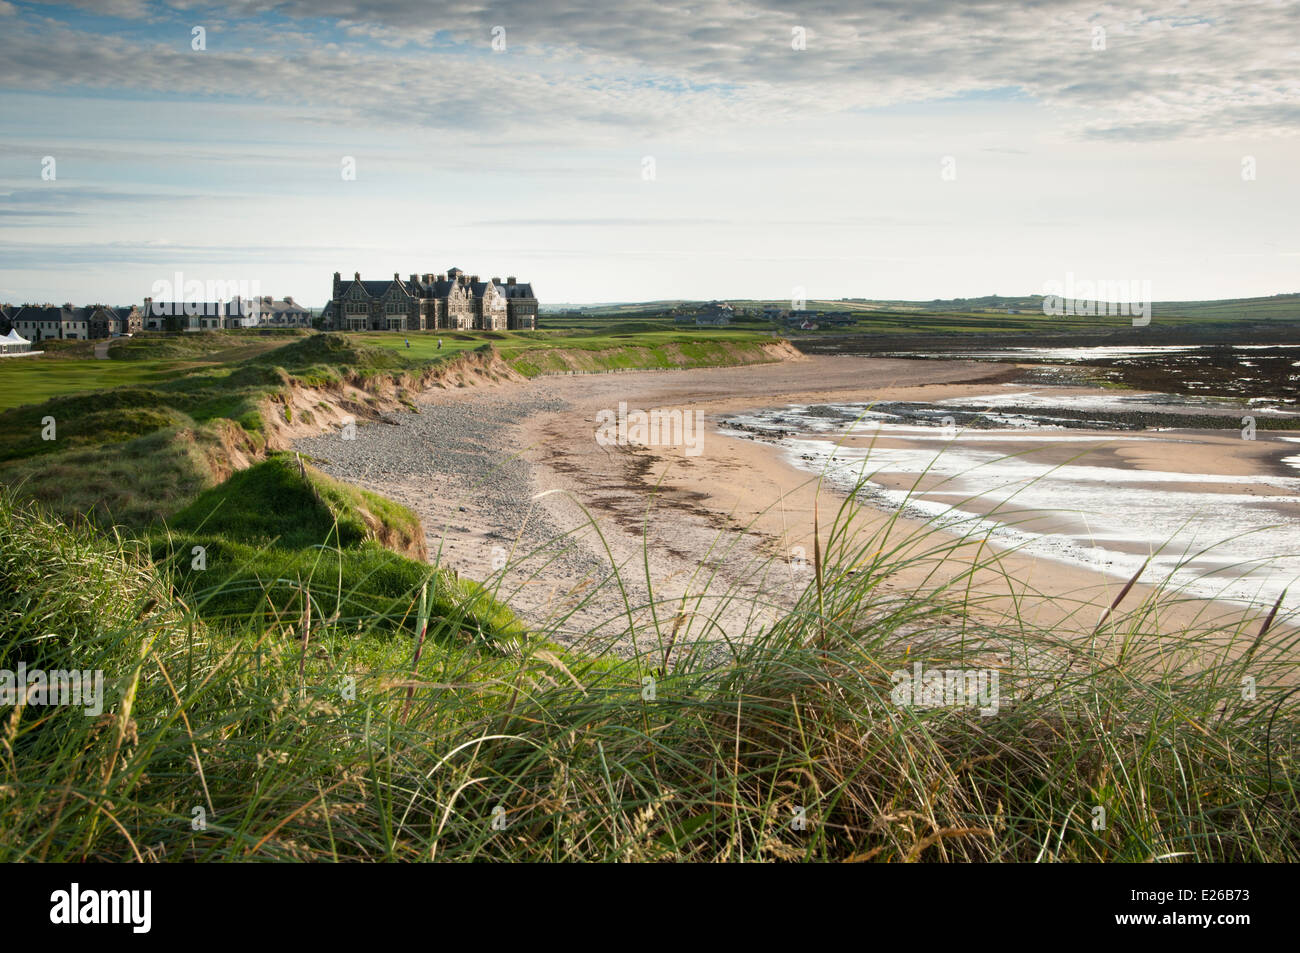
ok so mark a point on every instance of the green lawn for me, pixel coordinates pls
(69, 367)
(30, 380)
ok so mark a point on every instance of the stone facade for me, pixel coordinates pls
(451, 301)
(266, 312)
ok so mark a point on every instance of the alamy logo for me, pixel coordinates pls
(188, 297)
(655, 428)
(79, 689)
(102, 906)
(946, 688)
(1089, 298)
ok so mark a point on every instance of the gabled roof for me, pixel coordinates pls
(375, 289)
(440, 287)
(60, 313)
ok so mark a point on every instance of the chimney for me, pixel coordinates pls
(356, 276)
(397, 277)
(336, 276)
(496, 281)
(473, 279)
(510, 280)
(288, 299)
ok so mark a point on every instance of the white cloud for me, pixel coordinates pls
(666, 66)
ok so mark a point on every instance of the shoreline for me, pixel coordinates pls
(500, 470)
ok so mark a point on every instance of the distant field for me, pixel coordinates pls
(987, 314)
(70, 367)
(30, 380)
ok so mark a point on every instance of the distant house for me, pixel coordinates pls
(714, 314)
(108, 322)
(130, 319)
(43, 322)
(46, 322)
(454, 301)
(7, 312)
(266, 312)
(183, 315)
(288, 313)
(521, 304)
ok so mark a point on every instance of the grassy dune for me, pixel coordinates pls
(134, 455)
(342, 739)
(261, 545)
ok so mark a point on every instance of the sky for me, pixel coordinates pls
(629, 150)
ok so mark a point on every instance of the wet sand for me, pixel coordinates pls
(706, 541)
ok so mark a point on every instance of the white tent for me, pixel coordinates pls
(14, 343)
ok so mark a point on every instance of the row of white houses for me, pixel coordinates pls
(68, 322)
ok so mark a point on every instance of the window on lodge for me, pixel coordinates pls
(395, 324)
(356, 324)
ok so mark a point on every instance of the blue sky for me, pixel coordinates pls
(1113, 156)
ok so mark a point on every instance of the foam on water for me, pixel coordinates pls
(1223, 543)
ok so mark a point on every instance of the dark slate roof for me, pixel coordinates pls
(376, 289)
(35, 313)
(438, 287)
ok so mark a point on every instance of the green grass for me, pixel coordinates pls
(643, 344)
(211, 392)
(144, 360)
(326, 740)
(31, 380)
(271, 503)
(958, 318)
(261, 543)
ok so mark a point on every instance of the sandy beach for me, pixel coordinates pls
(511, 475)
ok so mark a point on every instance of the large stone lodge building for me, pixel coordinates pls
(454, 301)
